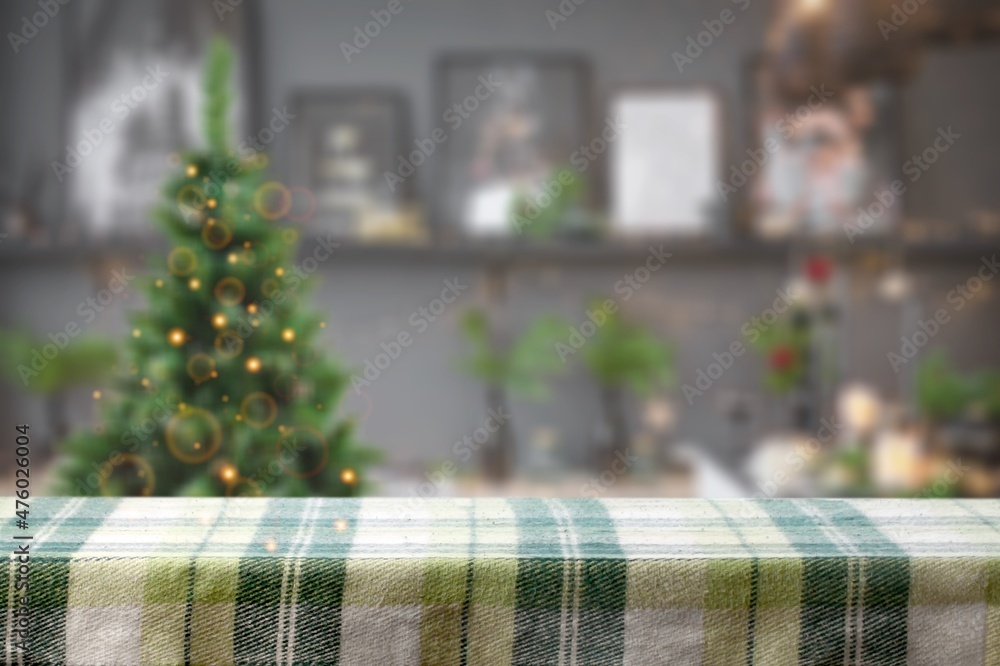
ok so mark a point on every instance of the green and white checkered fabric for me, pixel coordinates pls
(509, 581)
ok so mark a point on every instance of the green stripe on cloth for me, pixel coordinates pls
(523, 581)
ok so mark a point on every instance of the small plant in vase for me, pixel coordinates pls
(520, 369)
(623, 356)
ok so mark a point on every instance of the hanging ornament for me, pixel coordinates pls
(182, 261)
(269, 287)
(193, 435)
(201, 367)
(217, 234)
(230, 291)
(272, 200)
(258, 410)
(228, 344)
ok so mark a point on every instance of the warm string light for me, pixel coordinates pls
(253, 364)
(348, 476)
(228, 473)
(176, 337)
(219, 320)
(191, 171)
(288, 335)
(194, 284)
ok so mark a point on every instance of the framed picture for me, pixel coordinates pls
(510, 123)
(160, 112)
(344, 143)
(816, 161)
(665, 166)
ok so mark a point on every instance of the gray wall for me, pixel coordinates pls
(421, 403)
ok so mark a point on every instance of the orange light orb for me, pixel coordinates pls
(228, 473)
(288, 335)
(191, 171)
(348, 476)
(194, 284)
(253, 364)
(219, 320)
(176, 337)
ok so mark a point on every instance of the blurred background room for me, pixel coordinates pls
(569, 247)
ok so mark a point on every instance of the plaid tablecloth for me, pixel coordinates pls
(515, 581)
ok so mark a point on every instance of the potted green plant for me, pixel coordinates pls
(624, 357)
(520, 369)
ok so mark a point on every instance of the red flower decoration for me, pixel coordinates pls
(781, 358)
(818, 269)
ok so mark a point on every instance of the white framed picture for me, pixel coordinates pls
(665, 164)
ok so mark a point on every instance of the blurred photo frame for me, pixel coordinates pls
(821, 161)
(664, 167)
(345, 149)
(511, 122)
(149, 93)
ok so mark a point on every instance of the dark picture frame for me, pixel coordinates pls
(541, 109)
(344, 142)
(831, 160)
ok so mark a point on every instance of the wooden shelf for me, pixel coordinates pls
(502, 254)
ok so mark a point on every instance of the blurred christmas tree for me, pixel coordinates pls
(223, 392)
